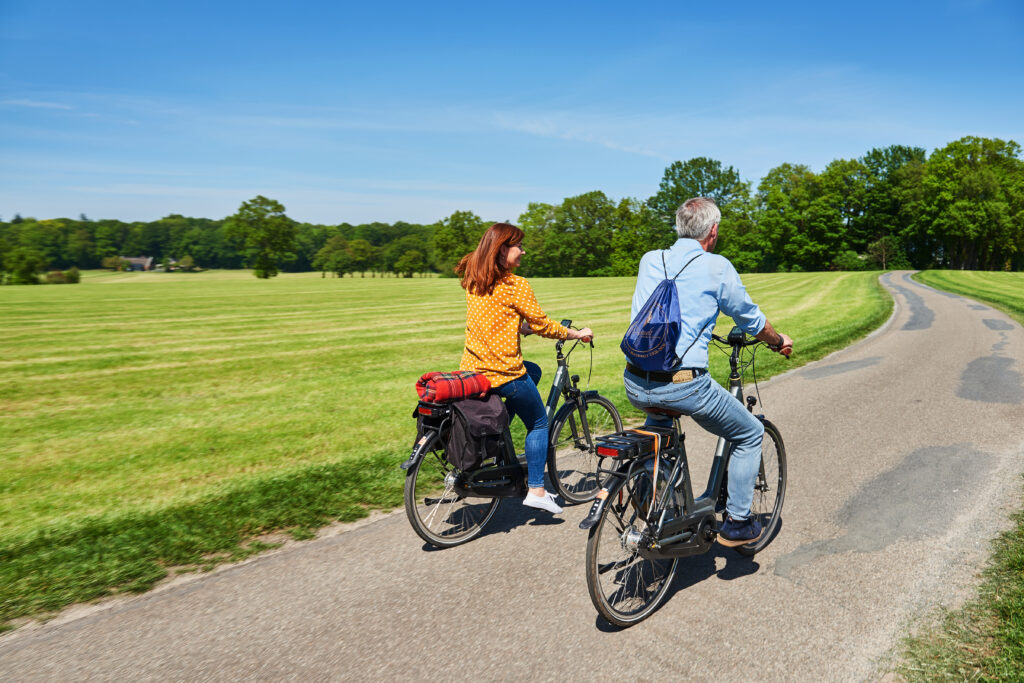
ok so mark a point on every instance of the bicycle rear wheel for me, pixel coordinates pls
(624, 586)
(436, 512)
(573, 458)
(769, 489)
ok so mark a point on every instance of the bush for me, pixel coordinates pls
(114, 263)
(72, 276)
(850, 260)
(56, 277)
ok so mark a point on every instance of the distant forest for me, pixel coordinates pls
(961, 207)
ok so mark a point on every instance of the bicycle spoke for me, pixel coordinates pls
(442, 518)
(574, 462)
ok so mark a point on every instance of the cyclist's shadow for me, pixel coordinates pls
(511, 514)
(696, 568)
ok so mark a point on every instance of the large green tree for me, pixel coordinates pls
(454, 237)
(24, 265)
(363, 254)
(638, 229)
(411, 262)
(334, 257)
(971, 207)
(800, 229)
(700, 177)
(573, 239)
(267, 234)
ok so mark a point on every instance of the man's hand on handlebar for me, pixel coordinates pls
(785, 348)
(776, 341)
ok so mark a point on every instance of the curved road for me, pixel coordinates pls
(905, 455)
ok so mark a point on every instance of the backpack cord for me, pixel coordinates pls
(680, 358)
(681, 269)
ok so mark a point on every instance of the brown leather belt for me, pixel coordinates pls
(676, 376)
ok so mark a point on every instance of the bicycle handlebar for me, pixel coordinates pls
(751, 341)
(742, 340)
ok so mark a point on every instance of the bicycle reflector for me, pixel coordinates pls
(631, 444)
(433, 409)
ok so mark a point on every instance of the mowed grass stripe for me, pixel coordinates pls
(313, 406)
(384, 336)
(1003, 290)
(605, 307)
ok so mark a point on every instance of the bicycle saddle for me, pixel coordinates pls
(663, 412)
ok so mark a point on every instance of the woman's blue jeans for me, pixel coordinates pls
(718, 411)
(523, 399)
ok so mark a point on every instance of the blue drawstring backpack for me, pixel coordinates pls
(650, 341)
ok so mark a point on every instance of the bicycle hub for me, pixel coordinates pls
(631, 539)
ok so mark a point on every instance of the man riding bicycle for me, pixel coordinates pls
(709, 285)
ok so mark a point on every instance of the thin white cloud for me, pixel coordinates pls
(35, 104)
(579, 128)
(151, 190)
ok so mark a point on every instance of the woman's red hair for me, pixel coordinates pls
(482, 268)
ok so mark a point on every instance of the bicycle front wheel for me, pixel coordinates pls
(436, 512)
(624, 586)
(769, 489)
(573, 458)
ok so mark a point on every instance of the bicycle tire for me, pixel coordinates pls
(639, 585)
(451, 520)
(573, 461)
(769, 489)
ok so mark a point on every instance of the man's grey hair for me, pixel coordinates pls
(696, 217)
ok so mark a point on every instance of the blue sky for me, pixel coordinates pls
(409, 111)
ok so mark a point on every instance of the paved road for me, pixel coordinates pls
(904, 458)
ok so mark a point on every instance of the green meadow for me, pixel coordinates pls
(1001, 289)
(151, 421)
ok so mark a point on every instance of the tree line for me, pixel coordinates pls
(961, 207)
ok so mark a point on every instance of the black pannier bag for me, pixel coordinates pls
(477, 433)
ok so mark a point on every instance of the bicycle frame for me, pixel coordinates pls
(503, 479)
(692, 532)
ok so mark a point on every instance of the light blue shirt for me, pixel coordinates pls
(708, 286)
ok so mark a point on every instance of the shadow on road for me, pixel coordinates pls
(511, 514)
(696, 568)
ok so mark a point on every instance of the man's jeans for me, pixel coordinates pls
(523, 399)
(714, 409)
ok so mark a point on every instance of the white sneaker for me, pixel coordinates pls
(545, 502)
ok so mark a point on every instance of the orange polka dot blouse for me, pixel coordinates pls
(492, 329)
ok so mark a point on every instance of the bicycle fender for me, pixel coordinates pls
(570, 406)
(423, 445)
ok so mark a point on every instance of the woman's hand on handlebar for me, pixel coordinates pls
(584, 335)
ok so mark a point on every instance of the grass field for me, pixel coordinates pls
(985, 639)
(150, 420)
(1003, 290)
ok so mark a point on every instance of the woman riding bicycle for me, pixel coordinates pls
(499, 307)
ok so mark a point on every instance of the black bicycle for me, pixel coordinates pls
(447, 506)
(650, 517)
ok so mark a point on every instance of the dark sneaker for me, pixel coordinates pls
(739, 532)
